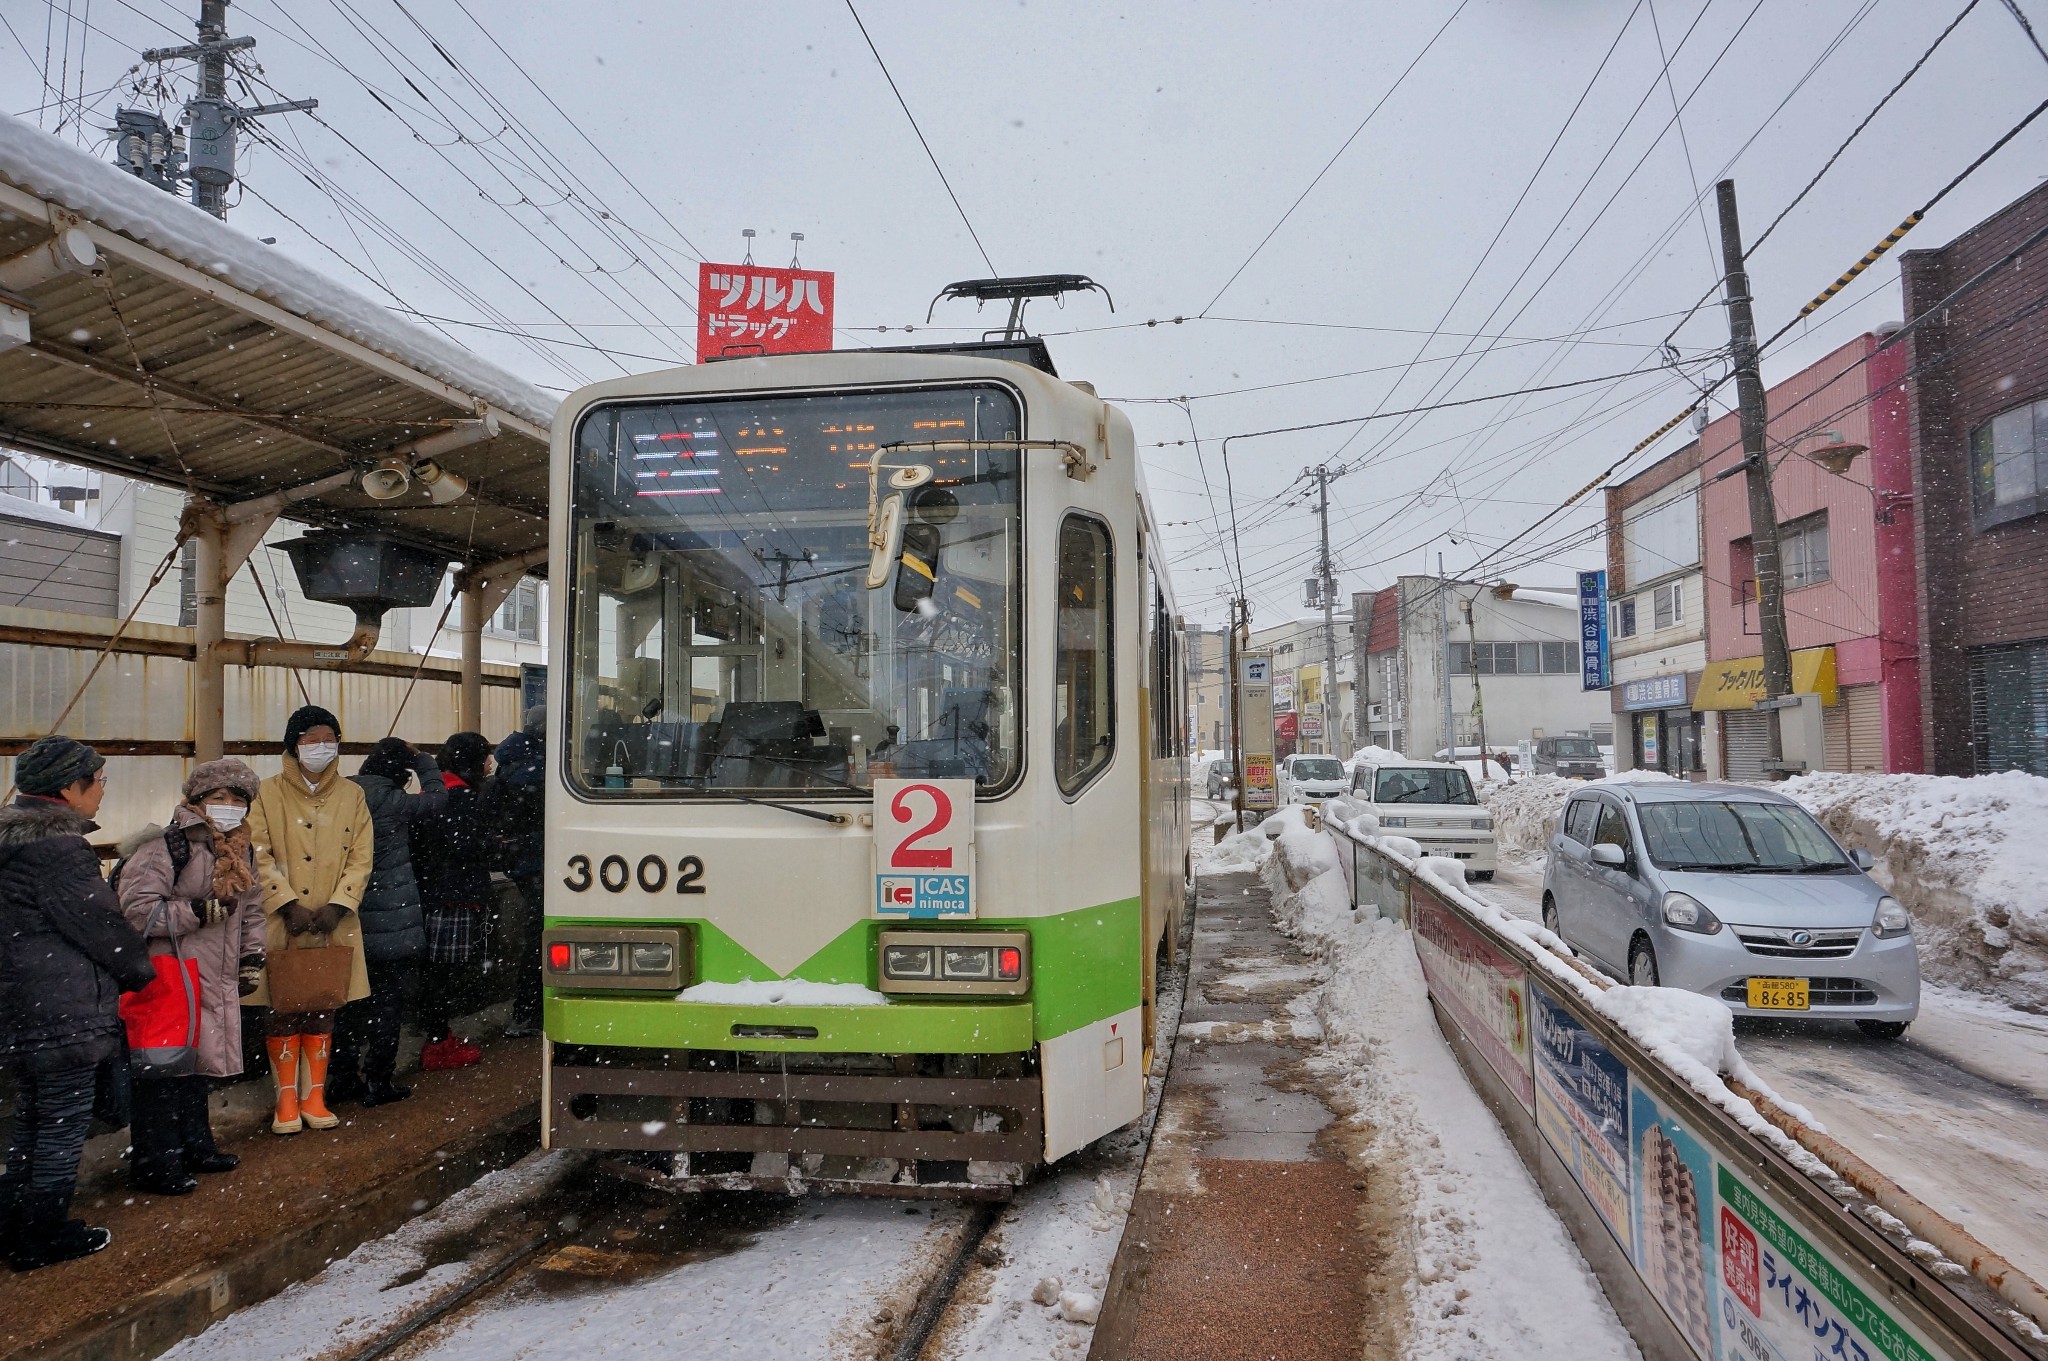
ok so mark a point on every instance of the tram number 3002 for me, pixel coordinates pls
(613, 874)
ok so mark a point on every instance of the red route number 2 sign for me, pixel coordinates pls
(924, 849)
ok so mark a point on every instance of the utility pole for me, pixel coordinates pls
(1478, 693)
(1236, 717)
(1327, 592)
(202, 151)
(1753, 410)
(1443, 615)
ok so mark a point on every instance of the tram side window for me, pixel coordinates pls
(1084, 666)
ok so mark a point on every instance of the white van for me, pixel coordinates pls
(1432, 803)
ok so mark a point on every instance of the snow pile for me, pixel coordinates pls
(1967, 855)
(1691, 1034)
(783, 992)
(1376, 756)
(1525, 812)
(1638, 777)
(1237, 852)
(1494, 1272)
(56, 171)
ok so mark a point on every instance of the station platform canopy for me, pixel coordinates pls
(143, 337)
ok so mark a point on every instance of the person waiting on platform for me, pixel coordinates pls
(312, 833)
(65, 957)
(190, 887)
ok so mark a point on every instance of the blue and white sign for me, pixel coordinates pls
(1593, 668)
(1654, 692)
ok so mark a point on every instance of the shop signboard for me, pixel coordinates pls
(1582, 1108)
(749, 309)
(1593, 663)
(1486, 993)
(1654, 692)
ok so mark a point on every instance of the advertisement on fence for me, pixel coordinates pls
(1672, 1179)
(1486, 993)
(1783, 1299)
(1582, 1109)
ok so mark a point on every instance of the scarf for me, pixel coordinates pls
(233, 871)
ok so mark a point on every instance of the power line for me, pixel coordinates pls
(904, 105)
(1335, 157)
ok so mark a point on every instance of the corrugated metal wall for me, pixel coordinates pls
(54, 566)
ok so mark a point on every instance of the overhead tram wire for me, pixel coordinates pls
(1684, 143)
(905, 106)
(2020, 17)
(1334, 158)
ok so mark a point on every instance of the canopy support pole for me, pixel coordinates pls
(210, 629)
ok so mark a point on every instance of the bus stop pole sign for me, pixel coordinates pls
(924, 850)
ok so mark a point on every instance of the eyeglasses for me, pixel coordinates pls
(99, 777)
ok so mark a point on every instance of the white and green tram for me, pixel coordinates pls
(866, 829)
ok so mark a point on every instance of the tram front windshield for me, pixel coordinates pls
(722, 638)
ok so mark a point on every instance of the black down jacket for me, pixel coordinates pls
(66, 953)
(392, 925)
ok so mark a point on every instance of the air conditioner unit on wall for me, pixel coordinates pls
(1376, 713)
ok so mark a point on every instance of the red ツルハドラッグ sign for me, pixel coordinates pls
(752, 309)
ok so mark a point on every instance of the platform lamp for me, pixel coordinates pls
(1837, 454)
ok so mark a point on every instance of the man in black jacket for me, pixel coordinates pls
(66, 956)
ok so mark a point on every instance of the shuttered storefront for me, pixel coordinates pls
(1854, 730)
(1745, 744)
(2009, 707)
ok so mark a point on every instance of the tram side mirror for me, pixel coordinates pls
(917, 574)
(886, 544)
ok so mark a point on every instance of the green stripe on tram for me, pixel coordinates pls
(1085, 965)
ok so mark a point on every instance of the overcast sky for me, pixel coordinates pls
(1151, 147)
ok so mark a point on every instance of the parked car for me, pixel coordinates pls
(1432, 804)
(1214, 776)
(1731, 891)
(1571, 756)
(1310, 779)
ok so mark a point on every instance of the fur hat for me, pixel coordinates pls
(226, 773)
(54, 763)
(311, 716)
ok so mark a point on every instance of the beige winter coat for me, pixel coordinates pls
(312, 848)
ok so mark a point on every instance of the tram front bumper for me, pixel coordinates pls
(903, 1026)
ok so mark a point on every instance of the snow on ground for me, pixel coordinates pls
(1495, 1272)
(359, 1297)
(1967, 857)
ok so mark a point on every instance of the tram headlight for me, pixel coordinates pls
(615, 958)
(995, 963)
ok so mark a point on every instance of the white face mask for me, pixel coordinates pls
(315, 757)
(226, 816)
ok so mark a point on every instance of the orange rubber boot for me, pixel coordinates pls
(317, 1048)
(284, 1067)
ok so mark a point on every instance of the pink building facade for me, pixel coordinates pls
(1846, 542)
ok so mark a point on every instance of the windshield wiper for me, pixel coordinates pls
(836, 819)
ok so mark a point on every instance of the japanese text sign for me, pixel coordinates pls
(752, 309)
(924, 849)
(1593, 630)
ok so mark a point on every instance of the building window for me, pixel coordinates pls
(15, 481)
(1803, 550)
(1668, 605)
(1512, 659)
(519, 616)
(2009, 464)
(188, 584)
(1554, 659)
(1461, 659)
(1624, 625)
(1661, 539)
(1083, 664)
(1741, 570)
(1529, 658)
(2009, 708)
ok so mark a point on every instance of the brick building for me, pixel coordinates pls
(1977, 412)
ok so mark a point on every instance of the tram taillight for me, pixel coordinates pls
(955, 962)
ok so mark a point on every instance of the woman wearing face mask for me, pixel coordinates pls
(312, 833)
(191, 887)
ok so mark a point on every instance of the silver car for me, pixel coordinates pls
(1735, 892)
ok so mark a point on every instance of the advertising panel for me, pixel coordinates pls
(1672, 1180)
(753, 309)
(1582, 1109)
(1255, 711)
(1486, 993)
(1784, 1299)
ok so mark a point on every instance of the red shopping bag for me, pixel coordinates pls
(162, 1019)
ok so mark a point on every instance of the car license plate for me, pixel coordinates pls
(1778, 994)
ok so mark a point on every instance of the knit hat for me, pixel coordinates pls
(226, 773)
(464, 754)
(391, 758)
(311, 716)
(54, 763)
(535, 721)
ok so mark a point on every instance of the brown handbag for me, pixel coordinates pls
(310, 978)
